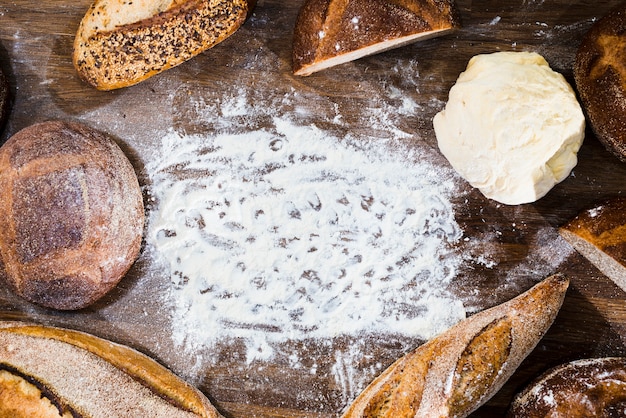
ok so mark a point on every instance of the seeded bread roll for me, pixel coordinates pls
(600, 75)
(54, 372)
(582, 388)
(599, 234)
(120, 43)
(332, 32)
(71, 214)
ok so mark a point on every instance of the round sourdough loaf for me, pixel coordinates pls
(600, 75)
(71, 214)
(582, 388)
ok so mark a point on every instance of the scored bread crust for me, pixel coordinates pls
(600, 76)
(459, 370)
(89, 376)
(599, 234)
(111, 56)
(71, 214)
(332, 32)
(593, 387)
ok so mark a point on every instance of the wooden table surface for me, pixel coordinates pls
(35, 48)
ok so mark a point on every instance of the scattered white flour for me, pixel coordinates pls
(289, 233)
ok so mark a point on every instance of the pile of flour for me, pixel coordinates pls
(289, 233)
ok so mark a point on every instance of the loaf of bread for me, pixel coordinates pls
(54, 372)
(120, 43)
(4, 99)
(71, 214)
(600, 75)
(459, 370)
(599, 234)
(332, 32)
(581, 388)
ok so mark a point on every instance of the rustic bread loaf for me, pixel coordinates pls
(71, 214)
(332, 32)
(459, 370)
(600, 75)
(4, 99)
(599, 234)
(120, 43)
(581, 388)
(52, 370)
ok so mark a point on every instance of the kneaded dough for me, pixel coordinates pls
(512, 126)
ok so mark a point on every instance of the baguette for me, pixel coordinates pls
(72, 373)
(121, 43)
(332, 32)
(599, 234)
(459, 370)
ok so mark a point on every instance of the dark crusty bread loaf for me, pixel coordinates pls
(120, 43)
(582, 388)
(332, 32)
(4, 99)
(600, 75)
(52, 370)
(599, 234)
(71, 214)
(459, 370)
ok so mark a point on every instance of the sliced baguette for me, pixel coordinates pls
(83, 375)
(332, 32)
(599, 234)
(120, 43)
(459, 370)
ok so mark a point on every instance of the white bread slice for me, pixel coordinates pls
(83, 375)
(599, 234)
(459, 370)
(332, 32)
(120, 43)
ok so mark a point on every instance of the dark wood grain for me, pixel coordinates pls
(35, 49)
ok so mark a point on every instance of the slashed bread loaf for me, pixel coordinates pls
(55, 372)
(599, 234)
(71, 214)
(120, 43)
(331, 32)
(459, 370)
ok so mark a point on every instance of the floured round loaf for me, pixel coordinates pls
(512, 126)
(600, 76)
(331, 32)
(120, 43)
(599, 234)
(582, 388)
(71, 214)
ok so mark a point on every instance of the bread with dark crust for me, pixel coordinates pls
(71, 214)
(59, 372)
(599, 234)
(459, 370)
(4, 99)
(332, 32)
(581, 388)
(121, 43)
(600, 76)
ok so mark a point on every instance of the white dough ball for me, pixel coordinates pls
(512, 126)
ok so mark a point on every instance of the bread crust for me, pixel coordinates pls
(600, 76)
(4, 99)
(71, 214)
(331, 32)
(599, 234)
(459, 370)
(110, 59)
(582, 388)
(88, 376)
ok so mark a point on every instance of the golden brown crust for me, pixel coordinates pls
(600, 75)
(121, 374)
(133, 52)
(599, 234)
(582, 388)
(71, 214)
(330, 32)
(459, 370)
